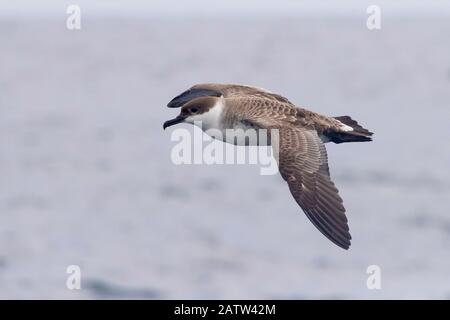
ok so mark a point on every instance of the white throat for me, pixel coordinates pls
(211, 119)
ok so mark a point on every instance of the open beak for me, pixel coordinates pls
(172, 122)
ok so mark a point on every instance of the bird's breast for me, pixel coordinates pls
(241, 134)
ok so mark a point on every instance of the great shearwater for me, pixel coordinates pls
(302, 155)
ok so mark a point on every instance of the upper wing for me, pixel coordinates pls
(303, 164)
(225, 90)
(231, 91)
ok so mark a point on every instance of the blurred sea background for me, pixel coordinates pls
(86, 176)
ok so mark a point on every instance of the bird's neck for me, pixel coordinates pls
(213, 119)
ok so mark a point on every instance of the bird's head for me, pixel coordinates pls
(204, 109)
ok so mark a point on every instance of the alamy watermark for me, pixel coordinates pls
(73, 21)
(374, 279)
(73, 281)
(253, 147)
(374, 19)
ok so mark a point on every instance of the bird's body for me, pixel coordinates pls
(302, 133)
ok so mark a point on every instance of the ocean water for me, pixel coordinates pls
(87, 178)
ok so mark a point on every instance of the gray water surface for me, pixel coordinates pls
(87, 179)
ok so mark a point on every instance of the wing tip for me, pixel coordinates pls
(345, 246)
(342, 241)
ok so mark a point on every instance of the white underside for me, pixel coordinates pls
(242, 134)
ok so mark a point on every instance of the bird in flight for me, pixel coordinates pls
(302, 134)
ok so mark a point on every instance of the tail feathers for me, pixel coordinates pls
(358, 134)
(355, 125)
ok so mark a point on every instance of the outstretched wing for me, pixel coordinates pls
(303, 163)
(238, 91)
(225, 90)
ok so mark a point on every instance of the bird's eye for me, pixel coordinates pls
(194, 110)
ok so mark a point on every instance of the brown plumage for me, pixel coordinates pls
(302, 162)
